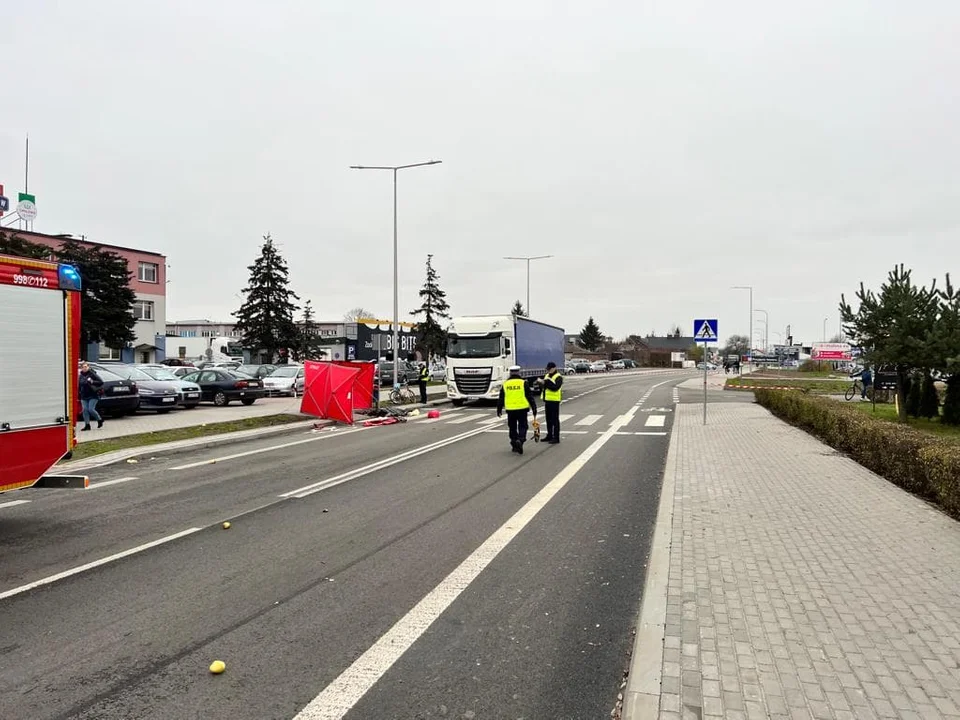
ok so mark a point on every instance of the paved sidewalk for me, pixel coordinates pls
(792, 583)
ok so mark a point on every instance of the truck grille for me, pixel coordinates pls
(472, 384)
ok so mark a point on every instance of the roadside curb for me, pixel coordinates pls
(641, 697)
(761, 387)
(202, 442)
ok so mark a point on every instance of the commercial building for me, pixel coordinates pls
(148, 282)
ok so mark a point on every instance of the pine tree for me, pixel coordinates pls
(945, 350)
(518, 309)
(912, 390)
(265, 319)
(13, 244)
(308, 347)
(106, 306)
(929, 405)
(590, 337)
(431, 336)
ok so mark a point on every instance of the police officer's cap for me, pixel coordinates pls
(514, 368)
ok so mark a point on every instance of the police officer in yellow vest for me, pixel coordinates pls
(517, 398)
(552, 395)
(422, 379)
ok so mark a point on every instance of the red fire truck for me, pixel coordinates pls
(39, 356)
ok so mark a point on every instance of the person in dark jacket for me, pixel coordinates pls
(422, 380)
(552, 395)
(518, 398)
(90, 384)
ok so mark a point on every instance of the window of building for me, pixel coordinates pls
(107, 353)
(207, 333)
(143, 310)
(147, 272)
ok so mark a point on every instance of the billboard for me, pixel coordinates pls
(831, 351)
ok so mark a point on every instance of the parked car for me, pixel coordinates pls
(188, 393)
(176, 362)
(257, 371)
(618, 365)
(221, 387)
(159, 395)
(581, 366)
(120, 396)
(598, 366)
(285, 380)
(628, 363)
(405, 373)
(438, 373)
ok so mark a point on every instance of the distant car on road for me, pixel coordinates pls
(581, 366)
(598, 366)
(405, 373)
(618, 365)
(221, 387)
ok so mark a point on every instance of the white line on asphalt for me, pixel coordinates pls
(95, 563)
(461, 420)
(589, 420)
(380, 465)
(109, 482)
(11, 503)
(656, 421)
(563, 417)
(211, 461)
(627, 432)
(345, 691)
(565, 432)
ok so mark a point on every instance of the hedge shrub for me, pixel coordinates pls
(924, 464)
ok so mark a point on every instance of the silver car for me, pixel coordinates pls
(285, 380)
(188, 393)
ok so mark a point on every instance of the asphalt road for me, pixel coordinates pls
(415, 570)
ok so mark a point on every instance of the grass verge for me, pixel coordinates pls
(920, 462)
(812, 386)
(99, 447)
(888, 413)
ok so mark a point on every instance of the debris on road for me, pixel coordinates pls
(226, 525)
(217, 667)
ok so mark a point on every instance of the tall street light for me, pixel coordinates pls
(825, 328)
(528, 259)
(396, 299)
(750, 323)
(766, 326)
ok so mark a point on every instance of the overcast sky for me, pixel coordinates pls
(661, 151)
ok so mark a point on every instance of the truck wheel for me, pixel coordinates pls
(457, 403)
(221, 399)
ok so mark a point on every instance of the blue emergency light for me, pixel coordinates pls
(69, 277)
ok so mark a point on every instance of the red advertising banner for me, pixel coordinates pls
(831, 351)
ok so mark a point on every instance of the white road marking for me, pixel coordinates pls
(565, 416)
(459, 420)
(589, 420)
(337, 699)
(380, 465)
(648, 434)
(211, 461)
(562, 431)
(94, 486)
(655, 421)
(96, 563)
(487, 418)
(11, 503)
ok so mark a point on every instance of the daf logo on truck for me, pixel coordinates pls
(39, 329)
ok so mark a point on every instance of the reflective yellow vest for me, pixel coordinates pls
(552, 395)
(424, 374)
(515, 395)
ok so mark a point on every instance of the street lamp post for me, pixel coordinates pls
(766, 328)
(528, 259)
(825, 328)
(750, 323)
(396, 274)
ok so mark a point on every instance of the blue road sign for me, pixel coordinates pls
(4, 204)
(705, 331)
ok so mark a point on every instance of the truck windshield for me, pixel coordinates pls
(473, 347)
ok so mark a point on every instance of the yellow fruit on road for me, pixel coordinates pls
(226, 526)
(217, 667)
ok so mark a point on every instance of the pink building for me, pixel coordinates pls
(149, 282)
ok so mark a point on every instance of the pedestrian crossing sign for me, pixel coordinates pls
(705, 331)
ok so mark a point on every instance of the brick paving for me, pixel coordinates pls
(801, 585)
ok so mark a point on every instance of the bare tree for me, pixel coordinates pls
(357, 313)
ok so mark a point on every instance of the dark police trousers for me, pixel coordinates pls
(551, 409)
(423, 392)
(517, 422)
